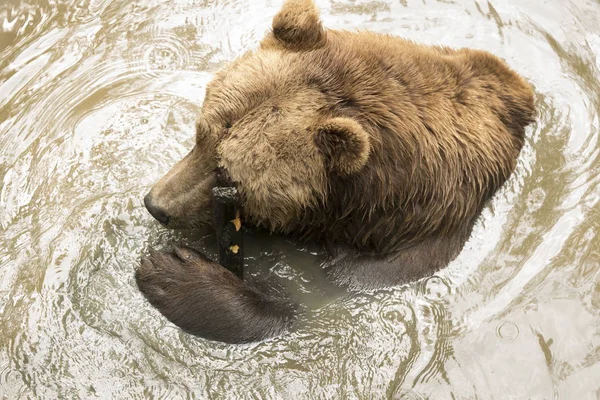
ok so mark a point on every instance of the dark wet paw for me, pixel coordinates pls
(207, 300)
(162, 274)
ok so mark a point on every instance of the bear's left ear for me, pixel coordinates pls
(344, 144)
(298, 26)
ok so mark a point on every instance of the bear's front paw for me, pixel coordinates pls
(207, 300)
(164, 274)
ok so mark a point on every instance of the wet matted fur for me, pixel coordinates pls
(383, 150)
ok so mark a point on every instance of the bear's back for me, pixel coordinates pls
(446, 129)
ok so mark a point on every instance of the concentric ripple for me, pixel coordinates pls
(164, 51)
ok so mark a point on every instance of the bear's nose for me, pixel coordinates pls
(157, 212)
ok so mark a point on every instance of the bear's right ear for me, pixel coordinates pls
(298, 26)
(344, 144)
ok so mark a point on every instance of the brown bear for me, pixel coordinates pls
(383, 150)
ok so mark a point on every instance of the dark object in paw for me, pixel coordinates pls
(228, 227)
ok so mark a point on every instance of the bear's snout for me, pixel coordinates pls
(157, 212)
(182, 198)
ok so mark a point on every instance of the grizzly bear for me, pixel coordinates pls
(382, 150)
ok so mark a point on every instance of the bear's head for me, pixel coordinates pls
(268, 126)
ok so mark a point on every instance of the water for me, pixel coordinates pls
(97, 101)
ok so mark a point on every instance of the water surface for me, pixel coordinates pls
(97, 101)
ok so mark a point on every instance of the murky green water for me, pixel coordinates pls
(97, 101)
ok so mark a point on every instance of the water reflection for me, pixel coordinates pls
(98, 99)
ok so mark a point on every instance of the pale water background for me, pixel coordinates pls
(97, 101)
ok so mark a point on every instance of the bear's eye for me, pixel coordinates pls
(225, 131)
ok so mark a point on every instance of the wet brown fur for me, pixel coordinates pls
(382, 149)
(444, 130)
